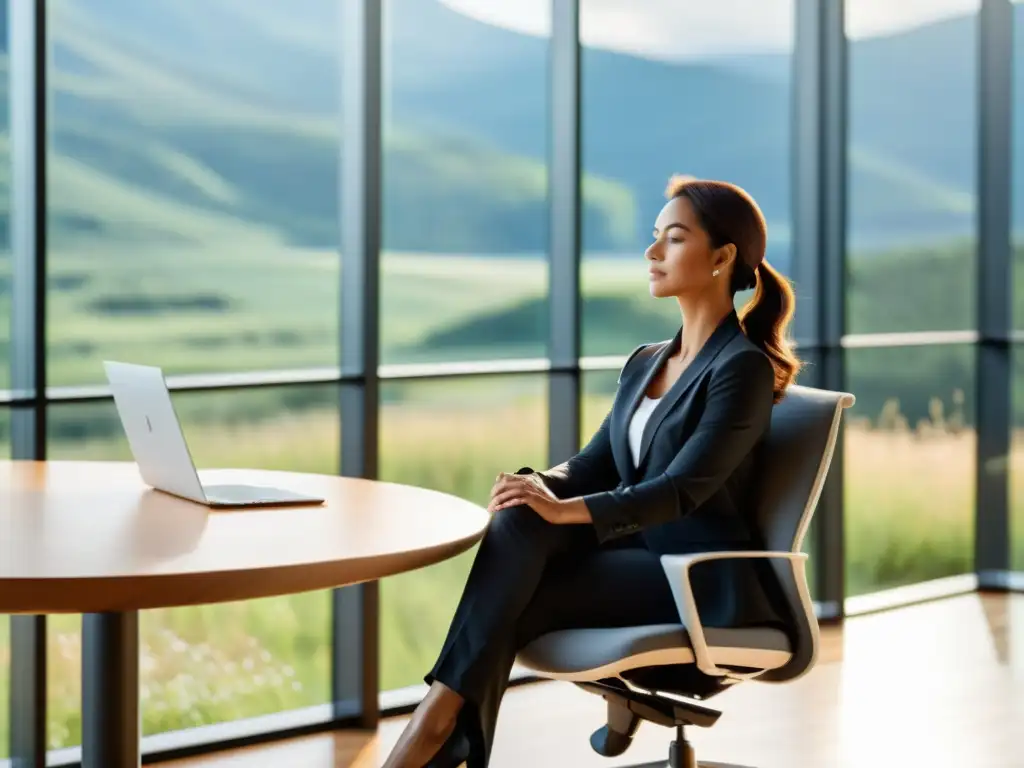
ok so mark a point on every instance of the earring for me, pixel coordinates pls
(715, 273)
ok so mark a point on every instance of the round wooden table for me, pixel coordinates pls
(91, 538)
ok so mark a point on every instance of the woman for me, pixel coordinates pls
(669, 471)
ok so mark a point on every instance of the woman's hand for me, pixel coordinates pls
(511, 490)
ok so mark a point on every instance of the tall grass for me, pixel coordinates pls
(909, 517)
(909, 497)
(909, 507)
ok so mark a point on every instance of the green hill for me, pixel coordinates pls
(921, 289)
(194, 187)
(150, 151)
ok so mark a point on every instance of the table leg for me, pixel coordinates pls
(110, 690)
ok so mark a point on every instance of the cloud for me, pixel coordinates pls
(869, 18)
(698, 28)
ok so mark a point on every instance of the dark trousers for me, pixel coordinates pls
(530, 578)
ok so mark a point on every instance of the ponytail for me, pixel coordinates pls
(765, 320)
(730, 215)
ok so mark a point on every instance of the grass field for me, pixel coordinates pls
(216, 663)
(257, 304)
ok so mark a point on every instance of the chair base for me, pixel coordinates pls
(681, 755)
(680, 752)
(628, 707)
(663, 764)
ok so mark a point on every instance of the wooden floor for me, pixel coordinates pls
(939, 684)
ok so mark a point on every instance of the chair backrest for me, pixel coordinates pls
(797, 455)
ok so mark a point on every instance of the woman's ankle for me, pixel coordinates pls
(440, 711)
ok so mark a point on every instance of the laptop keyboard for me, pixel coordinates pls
(249, 494)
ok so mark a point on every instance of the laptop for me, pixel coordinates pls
(158, 444)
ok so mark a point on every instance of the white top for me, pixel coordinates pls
(637, 424)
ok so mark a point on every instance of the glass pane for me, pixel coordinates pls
(909, 466)
(597, 390)
(215, 663)
(451, 435)
(465, 182)
(1017, 166)
(1017, 463)
(6, 267)
(192, 186)
(5, 697)
(912, 154)
(696, 88)
(5, 645)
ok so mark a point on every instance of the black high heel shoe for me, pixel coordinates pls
(453, 753)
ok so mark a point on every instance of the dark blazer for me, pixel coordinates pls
(698, 468)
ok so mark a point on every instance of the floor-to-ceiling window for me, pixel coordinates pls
(6, 295)
(5, 669)
(451, 435)
(1017, 296)
(5, 645)
(682, 88)
(211, 664)
(1016, 479)
(911, 257)
(193, 224)
(701, 89)
(464, 274)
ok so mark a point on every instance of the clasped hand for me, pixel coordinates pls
(510, 490)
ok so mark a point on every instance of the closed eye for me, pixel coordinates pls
(674, 227)
(670, 238)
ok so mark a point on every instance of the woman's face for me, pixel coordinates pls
(681, 260)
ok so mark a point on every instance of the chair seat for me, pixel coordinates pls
(593, 654)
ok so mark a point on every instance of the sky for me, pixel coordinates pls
(686, 28)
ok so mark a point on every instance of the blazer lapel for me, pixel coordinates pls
(638, 384)
(725, 331)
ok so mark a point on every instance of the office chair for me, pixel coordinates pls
(642, 671)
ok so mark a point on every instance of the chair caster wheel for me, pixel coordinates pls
(614, 738)
(609, 743)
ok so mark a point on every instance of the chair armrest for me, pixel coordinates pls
(677, 570)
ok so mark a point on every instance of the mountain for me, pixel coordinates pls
(178, 122)
(184, 118)
(912, 126)
(912, 134)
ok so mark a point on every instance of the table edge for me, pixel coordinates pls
(128, 592)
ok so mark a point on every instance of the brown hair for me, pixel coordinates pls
(730, 215)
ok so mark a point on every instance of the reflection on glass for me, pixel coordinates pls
(699, 89)
(192, 207)
(453, 436)
(912, 148)
(465, 206)
(1017, 462)
(909, 466)
(212, 663)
